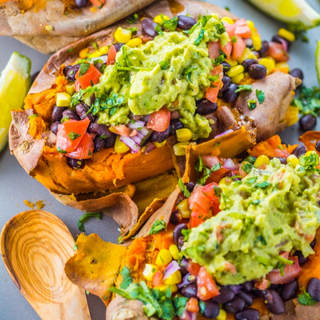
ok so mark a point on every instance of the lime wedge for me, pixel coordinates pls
(15, 81)
(297, 13)
(318, 61)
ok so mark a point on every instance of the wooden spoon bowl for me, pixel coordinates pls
(35, 246)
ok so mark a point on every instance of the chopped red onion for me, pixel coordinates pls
(223, 133)
(187, 315)
(149, 147)
(236, 288)
(145, 131)
(187, 279)
(284, 44)
(131, 144)
(171, 268)
(184, 262)
(136, 125)
(230, 165)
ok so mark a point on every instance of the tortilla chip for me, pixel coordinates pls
(95, 265)
(309, 139)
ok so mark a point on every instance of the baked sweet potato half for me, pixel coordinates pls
(103, 113)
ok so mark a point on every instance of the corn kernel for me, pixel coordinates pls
(149, 271)
(237, 79)
(173, 288)
(293, 160)
(160, 19)
(120, 147)
(183, 134)
(175, 278)
(247, 54)
(251, 27)
(261, 160)
(183, 208)
(122, 35)
(95, 54)
(231, 62)
(63, 99)
(227, 19)
(256, 42)
(83, 53)
(268, 63)
(234, 71)
(174, 252)
(134, 42)
(283, 67)
(104, 50)
(164, 257)
(179, 149)
(160, 144)
(286, 34)
(222, 315)
(70, 88)
(161, 287)
(310, 152)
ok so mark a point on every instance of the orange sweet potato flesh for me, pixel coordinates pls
(309, 139)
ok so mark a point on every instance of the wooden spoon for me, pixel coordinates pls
(35, 246)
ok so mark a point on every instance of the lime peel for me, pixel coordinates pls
(318, 61)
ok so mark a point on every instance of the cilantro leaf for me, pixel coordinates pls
(157, 227)
(263, 185)
(251, 180)
(247, 167)
(184, 189)
(254, 202)
(164, 65)
(199, 164)
(207, 172)
(85, 217)
(213, 78)
(260, 95)
(252, 103)
(61, 151)
(126, 278)
(244, 87)
(218, 61)
(308, 101)
(309, 163)
(73, 135)
(170, 24)
(84, 68)
(159, 30)
(76, 98)
(305, 299)
(200, 37)
(133, 19)
(217, 191)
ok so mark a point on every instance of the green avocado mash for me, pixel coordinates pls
(173, 70)
(271, 210)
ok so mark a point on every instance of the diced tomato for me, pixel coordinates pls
(227, 49)
(193, 268)
(159, 120)
(122, 130)
(230, 267)
(192, 305)
(70, 134)
(238, 48)
(157, 279)
(77, 86)
(290, 272)
(91, 77)
(230, 29)
(262, 284)
(212, 93)
(242, 29)
(214, 51)
(85, 148)
(207, 287)
(277, 52)
(210, 161)
(281, 153)
(112, 55)
(98, 3)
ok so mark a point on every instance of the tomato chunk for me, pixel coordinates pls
(112, 55)
(242, 29)
(207, 287)
(70, 134)
(193, 268)
(91, 77)
(214, 51)
(98, 3)
(277, 52)
(212, 93)
(84, 150)
(159, 120)
(230, 29)
(157, 279)
(238, 48)
(227, 49)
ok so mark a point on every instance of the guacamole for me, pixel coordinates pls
(269, 211)
(171, 71)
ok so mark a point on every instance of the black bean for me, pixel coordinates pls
(54, 127)
(302, 260)
(34, 76)
(274, 286)
(145, 118)
(257, 71)
(230, 95)
(249, 62)
(180, 242)
(185, 22)
(57, 113)
(235, 305)
(175, 217)
(257, 293)
(290, 290)
(177, 232)
(98, 144)
(175, 124)
(75, 163)
(248, 314)
(110, 141)
(278, 39)
(189, 290)
(71, 114)
(160, 136)
(274, 302)
(82, 109)
(118, 46)
(317, 146)
(190, 186)
(148, 27)
(80, 3)
(313, 243)
(100, 129)
(211, 309)
(248, 285)
(183, 270)
(246, 297)
(236, 288)
(307, 122)
(313, 288)
(70, 72)
(264, 49)
(226, 66)
(282, 160)
(226, 83)
(297, 73)
(226, 295)
(299, 151)
(205, 106)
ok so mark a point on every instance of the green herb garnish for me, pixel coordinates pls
(252, 103)
(84, 68)
(157, 227)
(85, 217)
(184, 189)
(159, 30)
(207, 172)
(33, 116)
(260, 96)
(263, 185)
(61, 151)
(200, 37)
(133, 19)
(73, 135)
(126, 278)
(164, 65)
(199, 164)
(244, 87)
(305, 299)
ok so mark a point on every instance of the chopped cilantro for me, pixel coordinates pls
(76, 98)
(263, 185)
(184, 189)
(157, 227)
(216, 145)
(104, 136)
(95, 45)
(308, 101)
(277, 231)
(133, 29)
(87, 216)
(217, 191)
(87, 292)
(244, 87)
(252, 103)
(199, 164)
(264, 261)
(159, 30)
(213, 78)
(227, 8)
(84, 68)
(261, 239)
(200, 37)
(207, 172)
(126, 278)
(165, 64)
(309, 163)
(133, 19)
(251, 180)
(247, 167)
(260, 95)
(64, 119)
(75, 247)
(33, 116)
(218, 61)
(250, 159)
(170, 24)
(73, 135)
(70, 50)
(185, 233)
(254, 202)
(61, 151)
(305, 299)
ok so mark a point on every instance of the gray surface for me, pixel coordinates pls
(16, 185)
